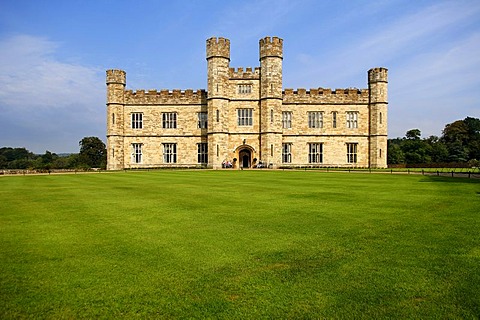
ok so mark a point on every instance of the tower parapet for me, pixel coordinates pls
(271, 47)
(218, 47)
(378, 75)
(115, 76)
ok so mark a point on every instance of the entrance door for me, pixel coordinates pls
(244, 156)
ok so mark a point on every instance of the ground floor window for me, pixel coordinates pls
(352, 152)
(170, 153)
(136, 152)
(315, 152)
(202, 152)
(286, 152)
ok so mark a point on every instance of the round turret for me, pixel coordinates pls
(378, 75)
(218, 47)
(116, 77)
(271, 47)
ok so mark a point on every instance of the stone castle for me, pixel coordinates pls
(245, 119)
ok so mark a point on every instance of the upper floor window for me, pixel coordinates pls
(169, 120)
(202, 120)
(315, 119)
(245, 117)
(352, 119)
(315, 152)
(380, 118)
(244, 88)
(334, 119)
(169, 152)
(286, 152)
(352, 152)
(137, 120)
(136, 152)
(286, 119)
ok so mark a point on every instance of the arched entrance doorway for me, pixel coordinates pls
(245, 158)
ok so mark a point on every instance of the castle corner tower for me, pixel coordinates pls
(378, 103)
(116, 80)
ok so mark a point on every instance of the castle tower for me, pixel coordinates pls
(218, 61)
(378, 102)
(116, 80)
(271, 56)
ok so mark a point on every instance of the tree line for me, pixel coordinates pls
(92, 154)
(459, 145)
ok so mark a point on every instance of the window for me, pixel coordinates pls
(286, 152)
(113, 118)
(169, 120)
(202, 120)
(137, 120)
(244, 88)
(202, 152)
(286, 119)
(315, 119)
(352, 152)
(334, 119)
(245, 117)
(271, 115)
(380, 116)
(352, 119)
(315, 152)
(218, 115)
(136, 152)
(170, 153)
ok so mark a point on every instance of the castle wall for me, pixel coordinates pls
(256, 89)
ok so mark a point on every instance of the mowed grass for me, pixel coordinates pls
(239, 245)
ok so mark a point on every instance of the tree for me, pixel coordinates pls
(93, 152)
(473, 144)
(413, 134)
(462, 139)
(395, 154)
(438, 150)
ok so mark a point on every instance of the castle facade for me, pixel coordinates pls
(245, 119)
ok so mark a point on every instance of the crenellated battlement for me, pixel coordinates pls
(271, 47)
(115, 76)
(378, 75)
(325, 95)
(248, 73)
(218, 47)
(164, 96)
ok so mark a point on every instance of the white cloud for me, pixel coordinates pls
(31, 77)
(43, 98)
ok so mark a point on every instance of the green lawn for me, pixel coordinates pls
(239, 245)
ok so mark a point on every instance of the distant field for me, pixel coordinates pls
(239, 244)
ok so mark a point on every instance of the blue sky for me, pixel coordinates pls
(53, 56)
